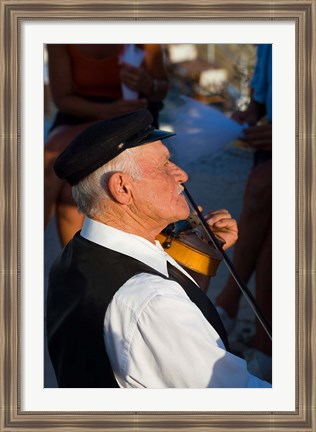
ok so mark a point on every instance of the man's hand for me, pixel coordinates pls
(258, 137)
(223, 226)
(251, 115)
(137, 79)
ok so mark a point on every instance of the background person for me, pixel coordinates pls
(85, 83)
(253, 251)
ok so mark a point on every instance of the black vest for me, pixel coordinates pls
(82, 281)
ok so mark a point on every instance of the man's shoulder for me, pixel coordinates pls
(142, 288)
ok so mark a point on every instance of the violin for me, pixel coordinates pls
(186, 243)
(169, 240)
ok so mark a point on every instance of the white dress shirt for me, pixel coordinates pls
(155, 336)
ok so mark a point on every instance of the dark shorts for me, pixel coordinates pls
(71, 120)
(68, 119)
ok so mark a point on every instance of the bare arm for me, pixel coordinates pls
(151, 78)
(67, 101)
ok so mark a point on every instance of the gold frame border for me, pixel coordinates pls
(303, 14)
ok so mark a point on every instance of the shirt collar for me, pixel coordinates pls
(128, 244)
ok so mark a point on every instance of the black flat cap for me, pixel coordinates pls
(103, 141)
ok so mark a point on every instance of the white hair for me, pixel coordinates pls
(91, 191)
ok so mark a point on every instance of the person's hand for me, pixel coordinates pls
(251, 115)
(223, 226)
(258, 137)
(243, 117)
(137, 79)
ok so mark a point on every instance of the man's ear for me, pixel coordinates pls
(119, 187)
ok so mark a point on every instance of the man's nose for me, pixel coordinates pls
(180, 174)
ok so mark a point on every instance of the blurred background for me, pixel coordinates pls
(213, 74)
(216, 76)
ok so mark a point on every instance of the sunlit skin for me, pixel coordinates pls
(157, 197)
(145, 206)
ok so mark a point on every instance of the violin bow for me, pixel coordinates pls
(242, 286)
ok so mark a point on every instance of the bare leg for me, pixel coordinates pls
(253, 224)
(53, 186)
(68, 219)
(264, 293)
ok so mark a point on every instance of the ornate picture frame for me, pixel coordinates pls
(303, 14)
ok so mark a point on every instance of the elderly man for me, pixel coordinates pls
(120, 311)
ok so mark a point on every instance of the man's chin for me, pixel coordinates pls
(183, 214)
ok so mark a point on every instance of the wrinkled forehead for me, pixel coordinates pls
(154, 149)
(152, 156)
